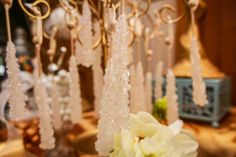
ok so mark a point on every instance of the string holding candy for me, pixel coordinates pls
(97, 72)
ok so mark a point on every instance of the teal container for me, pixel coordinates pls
(218, 95)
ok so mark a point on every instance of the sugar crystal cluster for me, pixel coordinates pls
(148, 92)
(172, 103)
(97, 71)
(45, 120)
(199, 87)
(137, 94)
(85, 54)
(74, 91)
(114, 113)
(16, 98)
(55, 104)
(159, 79)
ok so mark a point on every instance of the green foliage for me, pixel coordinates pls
(160, 108)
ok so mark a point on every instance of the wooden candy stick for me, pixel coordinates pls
(75, 100)
(52, 43)
(63, 51)
(38, 39)
(169, 42)
(147, 40)
(149, 55)
(148, 82)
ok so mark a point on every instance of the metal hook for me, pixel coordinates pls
(67, 6)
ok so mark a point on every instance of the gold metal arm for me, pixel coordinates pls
(35, 4)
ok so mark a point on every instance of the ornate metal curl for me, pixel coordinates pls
(141, 11)
(35, 4)
(173, 10)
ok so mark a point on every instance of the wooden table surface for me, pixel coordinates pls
(213, 142)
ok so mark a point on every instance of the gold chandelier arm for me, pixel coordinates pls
(133, 36)
(94, 9)
(173, 10)
(144, 12)
(98, 42)
(69, 6)
(35, 4)
(46, 35)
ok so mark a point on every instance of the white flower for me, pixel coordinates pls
(148, 138)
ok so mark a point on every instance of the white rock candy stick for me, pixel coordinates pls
(172, 108)
(148, 92)
(17, 97)
(199, 87)
(97, 72)
(74, 91)
(137, 92)
(85, 54)
(159, 80)
(45, 123)
(114, 113)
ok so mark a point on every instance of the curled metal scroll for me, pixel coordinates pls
(35, 4)
(144, 12)
(172, 10)
(141, 11)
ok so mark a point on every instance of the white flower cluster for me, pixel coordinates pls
(148, 138)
